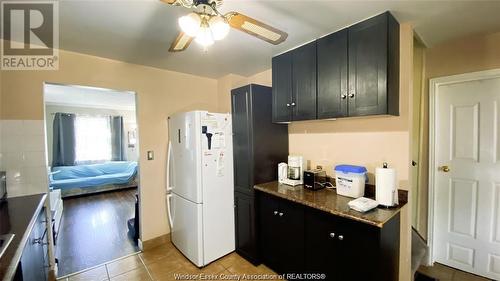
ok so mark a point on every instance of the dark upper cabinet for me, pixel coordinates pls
(254, 162)
(282, 88)
(242, 148)
(294, 85)
(332, 75)
(373, 66)
(352, 72)
(304, 82)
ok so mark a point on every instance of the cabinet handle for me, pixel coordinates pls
(341, 237)
(275, 213)
(281, 214)
(343, 96)
(288, 105)
(351, 95)
(332, 235)
(293, 104)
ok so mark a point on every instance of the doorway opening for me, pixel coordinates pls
(92, 151)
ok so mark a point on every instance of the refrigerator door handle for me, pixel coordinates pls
(169, 212)
(169, 152)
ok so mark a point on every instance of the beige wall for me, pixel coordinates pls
(468, 54)
(362, 141)
(160, 93)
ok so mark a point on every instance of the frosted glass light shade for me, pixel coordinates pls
(190, 24)
(219, 27)
(204, 37)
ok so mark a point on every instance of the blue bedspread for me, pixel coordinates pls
(81, 176)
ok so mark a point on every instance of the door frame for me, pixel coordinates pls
(434, 85)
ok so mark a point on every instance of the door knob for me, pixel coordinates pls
(288, 105)
(275, 213)
(341, 237)
(332, 235)
(445, 169)
(280, 214)
(343, 97)
(351, 95)
(293, 104)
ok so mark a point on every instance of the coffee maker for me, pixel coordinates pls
(291, 173)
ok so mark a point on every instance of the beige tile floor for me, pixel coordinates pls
(445, 273)
(161, 263)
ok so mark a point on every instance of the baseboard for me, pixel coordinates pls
(155, 242)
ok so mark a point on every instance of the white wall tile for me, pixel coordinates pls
(12, 127)
(34, 158)
(22, 156)
(33, 128)
(34, 143)
(12, 143)
(13, 159)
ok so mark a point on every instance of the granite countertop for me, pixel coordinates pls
(327, 200)
(17, 216)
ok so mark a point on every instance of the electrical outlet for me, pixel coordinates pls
(151, 155)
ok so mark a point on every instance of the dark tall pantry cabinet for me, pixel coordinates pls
(258, 147)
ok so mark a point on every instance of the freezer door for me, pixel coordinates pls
(187, 228)
(185, 157)
(218, 186)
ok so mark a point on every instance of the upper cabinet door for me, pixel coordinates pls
(332, 75)
(241, 120)
(368, 67)
(282, 88)
(304, 82)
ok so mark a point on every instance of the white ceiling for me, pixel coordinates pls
(141, 31)
(82, 96)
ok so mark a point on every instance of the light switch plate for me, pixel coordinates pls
(151, 155)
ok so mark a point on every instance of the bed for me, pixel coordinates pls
(92, 178)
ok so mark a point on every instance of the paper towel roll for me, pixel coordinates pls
(386, 186)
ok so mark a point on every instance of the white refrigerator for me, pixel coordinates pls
(199, 189)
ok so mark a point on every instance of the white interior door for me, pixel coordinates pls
(467, 176)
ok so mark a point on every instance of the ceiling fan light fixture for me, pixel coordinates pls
(204, 36)
(219, 27)
(190, 24)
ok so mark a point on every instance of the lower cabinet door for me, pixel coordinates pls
(321, 246)
(246, 236)
(269, 230)
(291, 237)
(33, 257)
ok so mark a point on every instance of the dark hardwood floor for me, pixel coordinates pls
(94, 230)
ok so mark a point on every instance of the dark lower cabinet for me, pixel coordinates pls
(281, 234)
(34, 262)
(306, 240)
(245, 226)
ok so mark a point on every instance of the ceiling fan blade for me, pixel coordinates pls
(180, 43)
(256, 28)
(170, 2)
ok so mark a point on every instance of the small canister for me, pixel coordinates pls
(350, 180)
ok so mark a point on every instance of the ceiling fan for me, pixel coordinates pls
(206, 24)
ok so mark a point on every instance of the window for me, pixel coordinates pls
(93, 139)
